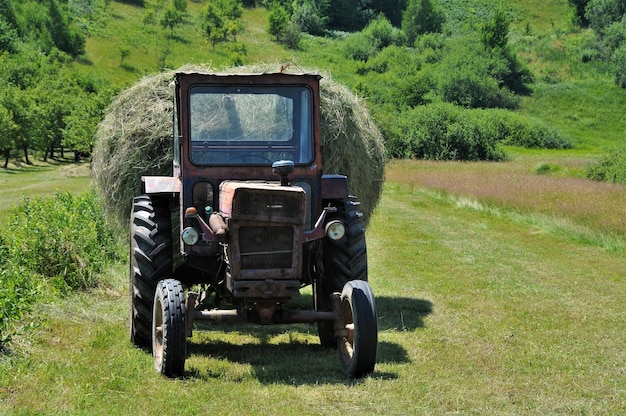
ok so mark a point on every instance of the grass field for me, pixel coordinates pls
(479, 313)
(499, 286)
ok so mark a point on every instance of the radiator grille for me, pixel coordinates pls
(271, 206)
(266, 247)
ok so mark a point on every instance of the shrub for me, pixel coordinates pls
(64, 239)
(611, 168)
(474, 77)
(18, 292)
(359, 47)
(443, 132)
(449, 132)
(516, 130)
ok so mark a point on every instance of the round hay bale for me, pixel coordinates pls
(135, 139)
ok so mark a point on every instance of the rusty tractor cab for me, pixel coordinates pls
(247, 220)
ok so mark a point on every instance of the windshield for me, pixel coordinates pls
(250, 125)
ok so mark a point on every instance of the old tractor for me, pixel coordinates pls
(248, 219)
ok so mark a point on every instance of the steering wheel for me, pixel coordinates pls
(248, 158)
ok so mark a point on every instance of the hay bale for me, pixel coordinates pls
(134, 140)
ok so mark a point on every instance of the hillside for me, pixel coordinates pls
(575, 97)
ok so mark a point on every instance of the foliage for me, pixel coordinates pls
(420, 17)
(495, 31)
(172, 17)
(442, 132)
(448, 132)
(284, 30)
(611, 168)
(354, 15)
(18, 291)
(311, 16)
(602, 13)
(580, 7)
(608, 19)
(62, 242)
(64, 239)
(222, 19)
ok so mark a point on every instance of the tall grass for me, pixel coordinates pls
(514, 185)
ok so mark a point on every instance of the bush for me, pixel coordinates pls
(64, 239)
(475, 77)
(443, 132)
(449, 132)
(611, 168)
(18, 292)
(517, 130)
(359, 47)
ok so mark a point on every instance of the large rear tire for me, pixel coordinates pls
(343, 260)
(150, 262)
(358, 345)
(169, 336)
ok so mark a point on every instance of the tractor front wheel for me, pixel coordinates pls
(169, 336)
(359, 339)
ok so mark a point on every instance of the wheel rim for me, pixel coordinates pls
(346, 342)
(157, 336)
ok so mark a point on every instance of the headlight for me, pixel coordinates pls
(335, 230)
(190, 236)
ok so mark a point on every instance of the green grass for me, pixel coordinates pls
(499, 291)
(122, 25)
(40, 179)
(591, 112)
(478, 313)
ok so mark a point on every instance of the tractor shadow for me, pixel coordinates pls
(291, 354)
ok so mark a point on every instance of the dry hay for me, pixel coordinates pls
(134, 140)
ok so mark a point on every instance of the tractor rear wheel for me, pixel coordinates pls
(343, 260)
(150, 262)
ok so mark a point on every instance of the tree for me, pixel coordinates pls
(602, 13)
(310, 15)
(579, 7)
(494, 33)
(8, 37)
(65, 38)
(7, 130)
(421, 16)
(214, 26)
(181, 5)
(278, 21)
(171, 18)
(8, 14)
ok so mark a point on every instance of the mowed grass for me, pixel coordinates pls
(40, 179)
(478, 314)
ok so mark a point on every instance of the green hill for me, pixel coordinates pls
(578, 98)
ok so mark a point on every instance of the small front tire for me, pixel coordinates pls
(169, 337)
(359, 341)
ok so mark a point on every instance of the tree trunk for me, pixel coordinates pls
(7, 154)
(28, 162)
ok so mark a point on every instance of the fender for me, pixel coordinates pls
(334, 187)
(160, 185)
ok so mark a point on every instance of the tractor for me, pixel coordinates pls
(247, 220)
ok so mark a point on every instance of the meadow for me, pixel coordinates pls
(481, 311)
(499, 286)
